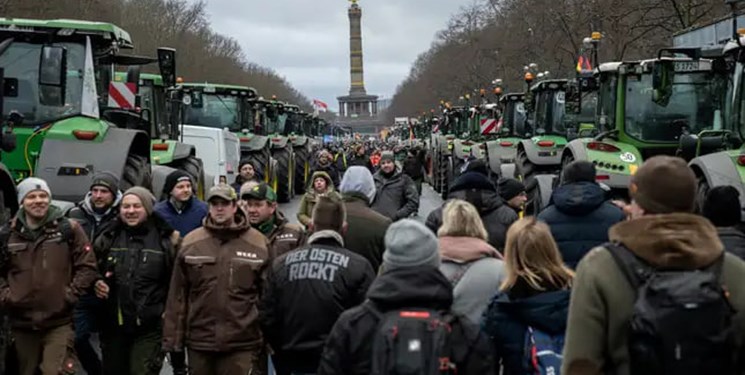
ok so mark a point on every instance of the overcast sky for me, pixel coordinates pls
(307, 41)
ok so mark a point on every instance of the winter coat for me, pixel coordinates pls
(508, 317)
(348, 349)
(137, 264)
(579, 217)
(308, 202)
(480, 271)
(284, 236)
(330, 168)
(602, 298)
(476, 189)
(215, 287)
(396, 197)
(413, 167)
(186, 220)
(319, 280)
(365, 229)
(94, 223)
(44, 271)
(733, 240)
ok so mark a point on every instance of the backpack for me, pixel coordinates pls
(681, 321)
(543, 351)
(412, 342)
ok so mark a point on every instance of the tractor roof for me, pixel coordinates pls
(512, 96)
(156, 78)
(221, 88)
(549, 84)
(68, 27)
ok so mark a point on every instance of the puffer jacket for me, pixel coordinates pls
(215, 287)
(308, 202)
(579, 216)
(476, 189)
(396, 197)
(733, 240)
(94, 223)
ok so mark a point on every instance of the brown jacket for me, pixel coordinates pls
(45, 271)
(285, 236)
(215, 286)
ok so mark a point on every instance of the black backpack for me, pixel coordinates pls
(412, 342)
(682, 319)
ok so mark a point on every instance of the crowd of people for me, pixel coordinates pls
(362, 285)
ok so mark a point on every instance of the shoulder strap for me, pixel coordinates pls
(458, 275)
(636, 270)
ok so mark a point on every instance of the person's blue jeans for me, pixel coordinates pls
(85, 320)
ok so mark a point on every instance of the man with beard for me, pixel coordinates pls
(95, 213)
(396, 196)
(260, 203)
(45, 266)
(182, 210)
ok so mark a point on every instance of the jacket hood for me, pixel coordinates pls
(239, 225)
(546, 311)
(326, 176)
(466, 249)
(423, 286)
(20, 225)
(676, 240)
(484, 200)
(358, 180)
(579, 198)
(87, 206)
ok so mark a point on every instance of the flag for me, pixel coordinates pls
(319, 105)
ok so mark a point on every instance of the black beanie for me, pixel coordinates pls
(174, 178)
(579, 171)
(107, 180)
(722, 206)
(510, 188)
(247, 161)
(478, 166)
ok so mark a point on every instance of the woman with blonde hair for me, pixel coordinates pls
(533, 298)
(473, 267)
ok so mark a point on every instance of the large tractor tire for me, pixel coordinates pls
(194, 167)
(302, 170)
(525, 172)
(446, 174)
(8, 200)
(285, 172)
(263, 159)
(136, 173)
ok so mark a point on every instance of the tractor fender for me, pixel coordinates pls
(458, 150)
(719, 170)
(256, 143)
(160, 172)
(183, 151)
(492, 157)
(90, 157)
(545, 188)
(577, 148)
(279, 142)
(531, 150)
(507, 170)
(300, 141)
(9, 196)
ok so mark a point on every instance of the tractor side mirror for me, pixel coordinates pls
(133, 76)
(662, 81)
(52, 76)
(167, 66)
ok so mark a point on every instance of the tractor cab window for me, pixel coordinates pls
(606, 101)
(21, 64)
(214, 111)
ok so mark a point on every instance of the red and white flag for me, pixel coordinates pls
(319, 105)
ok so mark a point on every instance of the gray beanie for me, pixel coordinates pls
(408, 243)
(31, 184)
(146, 197)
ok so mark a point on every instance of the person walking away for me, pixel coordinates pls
(320, 185)
(578, 213)
(685, 261)
(320, 280)
(413, 294)
(95, 213)
(475, 187)
(722, 208)
(211, 309)
(181, 210)
(326, 164)
(474, 267)
(360, 159)
(513, 194)
(414, 168)
(261, 208)
(365, 227)
(526, 319)
(136, 256)
(246, 172)
(46, 264)
(396, 196)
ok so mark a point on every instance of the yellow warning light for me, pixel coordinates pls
(498, 90)
(274, 97)
(596, 35)
(741, 31)
(179, 80)
(482, 92)
(529, 76)
(633, 168)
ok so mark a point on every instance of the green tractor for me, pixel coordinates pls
(57, 76)
(501, 152)
(297, 123)
(447, 159)
(272, 147)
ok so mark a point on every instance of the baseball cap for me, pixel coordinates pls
(223, 191)
(260, 192)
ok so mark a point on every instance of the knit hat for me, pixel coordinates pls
(31, 184)
(260, 192)
(146, 197)
(387, 155)
(358, 179)
(579, 171)
(510, 188)
(223, 191)
(408, 243)
(174, 178)
(329, 214)
(107, 180)
(722, 206)
(664, 184)
(472, 180)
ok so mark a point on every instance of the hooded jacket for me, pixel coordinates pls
(579, 217)
(507, 319)
(215, 287)
(602, 298)
(308, 202)
(476, 189)
(92, 222)
(185, 220)
(44, 271)
(349, 346)
(478, 269)
(330, 168)
(396, 197)
(733, 240)
(366, 229)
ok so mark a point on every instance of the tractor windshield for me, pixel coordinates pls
(215, 111)
(21, 64)
(549, 114)
(589, 105)
(692, 106)
(514, 118)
